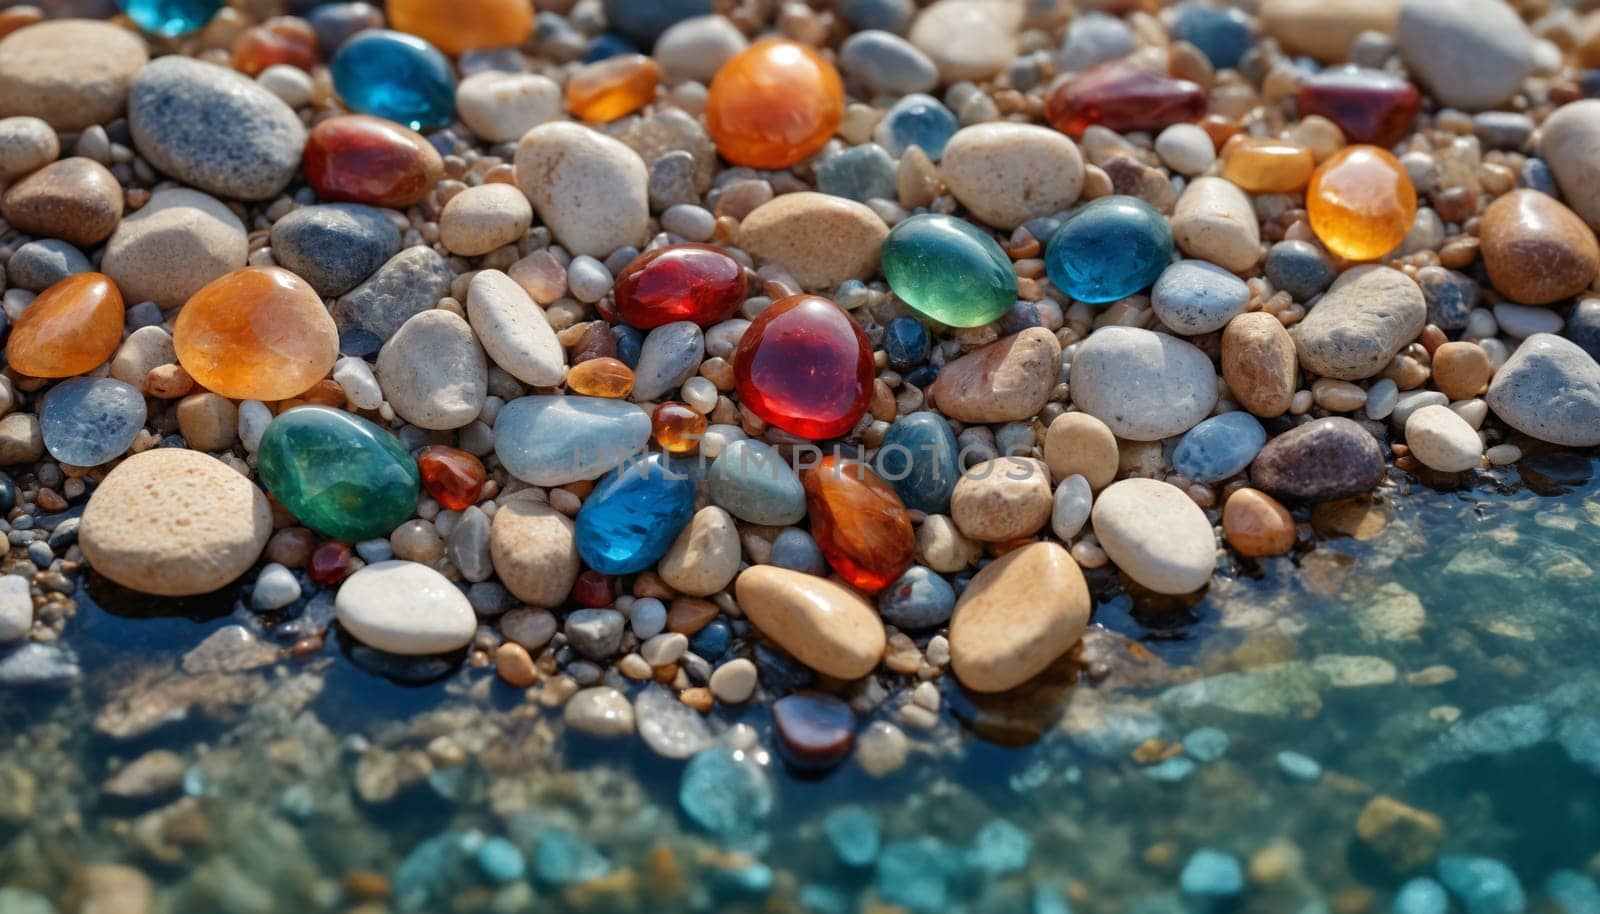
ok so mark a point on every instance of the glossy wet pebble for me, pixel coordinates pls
(948, 270)
(89, 421)
(1016, 616)
(1109, 249)
(1536, 250)
(395, 76)
(754, 483)
(363, 159)
(405, 608)
(824, 625)
(919, 599)
(917, 457)
(174, 522)
(815, 730)
(338, 473)
(1156, 535)
(69, 329)
(859, 523)
(258, 333)
(804, 366)
(633, 515)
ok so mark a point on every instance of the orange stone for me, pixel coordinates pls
(859, 522)
(1256, 525)
(601, 377)
(71, 328)
(464, 25)
(1361, 202)
(773, 104)
(258, 333)
(608, 89)
(677, 428)
(1461, 370)
(281, 39)
(453, 477)
(1267, 166)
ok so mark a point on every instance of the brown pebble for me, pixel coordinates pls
(514, 665)
(168, 382)
(688, 615)
(291, 547)
(1461, 371)
(76, 200)
(1259, 363)
(50, 500)
(700, 699)
(1536, 250)
(1256, 525)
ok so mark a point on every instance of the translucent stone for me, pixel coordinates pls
(170, 17)
(608, 89)
(454, 26)
(773, 104)
(396, 76)
(949, 270)
(859, 522)
(89, 421)
(1123, 97)
(1361, 202)
(1262, 165)
(280, 40)
(1370, 106)
(680, 282)
(339, 474)
(453, 477)
(363, 159)
(602, 377)
(677, 428)
(1109, 249)
(804, 366)
(257, 333)
(631, 518)
(70, 328)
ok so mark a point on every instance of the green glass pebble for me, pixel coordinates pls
(948, 270)
(339, 474)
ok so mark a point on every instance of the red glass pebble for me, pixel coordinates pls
(680, 282)
(454, 478)
(329, 563)
(1123, 97)
(281, 39)
(1369, 106)
(358, 158)
(804, 366)
(593, 590)
(859, 523)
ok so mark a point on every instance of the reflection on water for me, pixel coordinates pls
(1414, 696)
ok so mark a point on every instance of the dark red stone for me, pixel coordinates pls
(596, 342)
(454, 478)
(329, 563)
(805, 367)
(814, 730)
(281, 39)
(1368, 105)
(593, 590)
(1123, 97)
(362, 159)
(680, 282)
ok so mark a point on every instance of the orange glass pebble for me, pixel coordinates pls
(601, 377)
(454, 26)
(258, 333)
(281, 39)
(453, 477)
(773, 104)
(859, 522)
(677, 428)
(1267, 166)
(607, 89)
(1361, 202)
(71, 328)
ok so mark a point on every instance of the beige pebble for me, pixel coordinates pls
(824, 625)
(821, 239)
(1078, 443)
(1004, 499)
(1016, 616)
(208, 422)
(534, 550)
(1006, 173)
(1008, 380)
(705, 556)
(482, 218)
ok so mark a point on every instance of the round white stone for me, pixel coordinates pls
(1156, 534)
(1442, 440)
(405, 608)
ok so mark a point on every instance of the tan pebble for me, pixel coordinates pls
(1214, 221)
(168, 382)
(1016, 616)
(821, 239)
(1004, 499)
(942, 546)
(482, 218)
(208, 422)
(1461, 370)
(1006, 381)
(1156, 534)
(1536, 250)
(1007, 173)
(824, 625)
(77, 200)
(1077, 443)
(734, 682)
(1338, 396)
(535, 553)
(72, 73)
(515, 666)
(705, 556)
(1256, 525)
(1323, 30)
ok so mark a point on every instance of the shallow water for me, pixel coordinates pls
(305, 775)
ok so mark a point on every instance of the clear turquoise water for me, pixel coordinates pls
(1495, 581)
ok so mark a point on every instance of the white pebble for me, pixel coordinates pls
(276, 587)
(254, 416)
(1073, 501)
(734, 682)
(664, 649)
(1186, 149)
(700, 394)
(648, 617)
(588, 279)
(356, 379)
(291, 84)
(1381, 399)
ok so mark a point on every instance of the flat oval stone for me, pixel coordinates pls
(405, 608)
(859, 523)
(1016, 616)
(1002, 500)
(1442, 440)
(433, 372)
(755, 484)
(705, 556)
(1256, 525)
(554, 440)
(258, 333)
(173, 245)
(1194, 297)
(633, 515)
(919, 599)
(1006, 173)
(1362, 323)
(174, 108)
(69, 329)
(1325, 31)
(823, 625)
(364, 159)
(815, 731)
(1008, 380)
(514, 330)
(1078, 444)
(589, 189)
(1259, 364)
(89, 421)
(1156, 535)
(1219, 447)
(670, 355)
(822, 239)
(1470, 54)
(917, 458)
(887, 63)
(1550, 389)
(1536, 250)
(1322, 460)
(77, 200)
(1214, 221)
(174, 522)
(948, 270)
(805, 366)
(336, 246)
(72, 73)
(534, 550)
(339, 474)
(1144, 386)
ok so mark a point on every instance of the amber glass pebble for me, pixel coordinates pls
(358, 158)
(1125, 98)
(257, 333)
(859, 522)
(601, 377)
(773, 104)
(454, 26)
(1267, 166)
(677, 428)
(1361, 202)
(281, 39)
(608, 89)
(70, 328)
(453, 477)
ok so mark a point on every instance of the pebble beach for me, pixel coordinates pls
(847, 457)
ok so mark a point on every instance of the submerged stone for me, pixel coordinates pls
(727, 793)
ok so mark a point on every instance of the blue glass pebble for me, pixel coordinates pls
(396, 76)
(999, 848)
(89, 421)
(1222, 34)
(917, 120)
(1171, 770)
(726, 793)
(1206, 744)
(607, 45)
(1484, 885)
(905, 342)
(1109, 249)
(170, 17)
(859, 173)
(1574, 892)
(712, 641)
(1211, 874)
(643, 21)
(1298, 766)
(1421, 896)
(501, 861)
(1299, 268)
(633, 515)
(1219, 447)
(914, 874)
(854, 833)
(919, 599)
(917, 458)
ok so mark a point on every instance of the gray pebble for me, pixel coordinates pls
(275, 588)
(671, 354)
(595, 633)
(588, 279)
(336, 246)
(410, 283)
(38, 265)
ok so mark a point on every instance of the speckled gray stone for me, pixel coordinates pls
(38, 265)
(336, 246)
(410, 283)
(670, 356)
(1550, 389)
